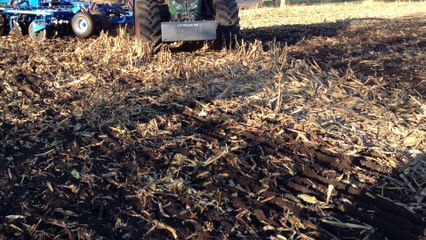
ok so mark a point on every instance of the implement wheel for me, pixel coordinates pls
(39, 36)
(228, 23)
(83, 25)
(4, 25)
(148, 23)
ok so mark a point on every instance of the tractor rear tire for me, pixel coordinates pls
(83, 25)
(4, 25)
(148, 23)
(228, 23)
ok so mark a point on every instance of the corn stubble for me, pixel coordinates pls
(314, 140)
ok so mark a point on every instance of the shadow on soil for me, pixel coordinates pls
(375, 50)
(116, 184)
(88, 179)
(294, 33)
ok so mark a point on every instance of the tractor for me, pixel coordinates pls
(162, 21)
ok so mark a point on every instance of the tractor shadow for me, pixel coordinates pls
(380, 54)
(293, 34)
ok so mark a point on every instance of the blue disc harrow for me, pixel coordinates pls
(42, 19)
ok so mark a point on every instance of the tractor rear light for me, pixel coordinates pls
(178, 6)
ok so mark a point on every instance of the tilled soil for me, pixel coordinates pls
(119, 153)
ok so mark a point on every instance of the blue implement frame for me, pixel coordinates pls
(43, 14)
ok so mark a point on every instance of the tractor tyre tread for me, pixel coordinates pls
(228, 23)
(148, 23)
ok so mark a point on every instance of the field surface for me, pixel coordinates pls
(315, 129)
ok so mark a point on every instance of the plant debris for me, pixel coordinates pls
(318, 137)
